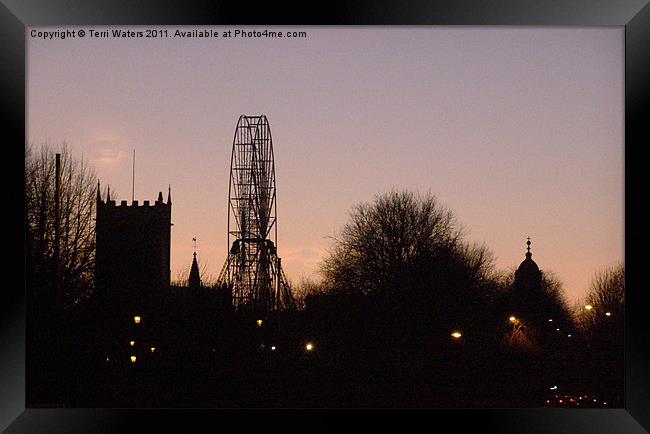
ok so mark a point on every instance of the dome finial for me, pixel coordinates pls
(528, 243)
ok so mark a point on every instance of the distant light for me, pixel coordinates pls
(153, 349)
(108, 359)
(273, 348)
(568, 336)
(133, 359)
(553, 387)
(132, 343)
(512, 319)
(548, 401)
(557, 330)
(259, 322)
(594, 400)
(605, 403)
(589, 307)
(309, 346)
(561, 401)
(550, 320)
(456, 335)
(136, 319)
(608, 313)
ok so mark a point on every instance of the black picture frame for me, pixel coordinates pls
(16, 15)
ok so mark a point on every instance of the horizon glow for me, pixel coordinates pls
(518, 130)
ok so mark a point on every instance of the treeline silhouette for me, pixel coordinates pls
(408, 314)
(401, 280)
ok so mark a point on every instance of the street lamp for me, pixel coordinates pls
(132, 343)
(608, 313)
(309, 346)
(136, 319)
(512, 319)
(588, 307)
(456, 335)
(259, 322)
(133, 358)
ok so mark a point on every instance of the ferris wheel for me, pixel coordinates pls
(253, 269)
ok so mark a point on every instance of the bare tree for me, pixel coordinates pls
(601, 315)
(182, 275)
(388, 243)
(305, 288)
(602, 324)
(401, 273)
(60, 249)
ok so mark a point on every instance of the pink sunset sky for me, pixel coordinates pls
(519, 131)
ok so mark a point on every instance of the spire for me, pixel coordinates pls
(528, 254)
(194, 280)
(169, 195)
(108, 195)
(99, 195)
(160, 198)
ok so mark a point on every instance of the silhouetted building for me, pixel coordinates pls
(194, 281)
(132, 252)
(528, 277)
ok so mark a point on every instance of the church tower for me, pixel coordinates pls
(132, 263)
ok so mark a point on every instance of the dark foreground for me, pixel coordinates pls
(244, 367)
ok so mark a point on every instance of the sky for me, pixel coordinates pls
(518, 130)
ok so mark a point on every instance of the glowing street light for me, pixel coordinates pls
(550, 320)
(309, 346)
(137, 319)
(608, 313)
(153, 349)
(512, 319)
(259, 322)
(132, 343)
(456, 335)
(133, 359)
(273, 348)
(589, 307)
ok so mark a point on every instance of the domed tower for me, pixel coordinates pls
(528, 277)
